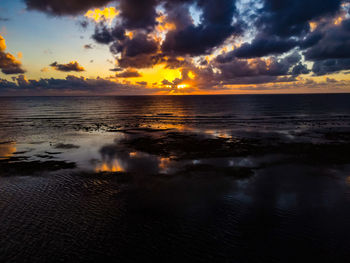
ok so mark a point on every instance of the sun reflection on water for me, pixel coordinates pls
(7, 150)
(110, 167)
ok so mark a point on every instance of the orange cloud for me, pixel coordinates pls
(45, 69)
(2, 44)
(162, 28)
(337, 21)
(8, 62)
(313, 26)
(71, 66)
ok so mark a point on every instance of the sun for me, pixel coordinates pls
(182, 86)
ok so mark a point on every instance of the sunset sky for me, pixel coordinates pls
(128, 47)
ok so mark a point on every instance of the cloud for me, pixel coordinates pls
(300, 69)
(215, 27)
(333, 43)
(331, 80)
(45, 69)
(138, 13)
(64, 7)
(129, 73)
(329, 52)
(88, 46)
(107, 14)
(264, 45)
(102, 34)
(222, 42)
(300, 86)
(8, 63)
(232, 67)
(116, 69)
(71, 85)
(71, 66)
(139, 44)
(328, 66)
(290, 17)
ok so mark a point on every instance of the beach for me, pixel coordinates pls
(192, 178)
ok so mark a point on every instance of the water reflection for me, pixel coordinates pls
(110, 167)
(7, 150)
(116, 159)
(219, 133)
(290, 205)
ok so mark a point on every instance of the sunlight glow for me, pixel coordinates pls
(106, 14)
(313, 26)
(191, 75)
(7, 150)
(159, 73)
(110, 167)
(182, 86)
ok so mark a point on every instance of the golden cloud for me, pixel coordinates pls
(107, 14)
(8, 62)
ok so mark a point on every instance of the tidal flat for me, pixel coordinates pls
(180, 185)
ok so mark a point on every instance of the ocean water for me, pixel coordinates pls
(247, 112)
(245, 178)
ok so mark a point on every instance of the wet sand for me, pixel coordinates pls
(128, 192)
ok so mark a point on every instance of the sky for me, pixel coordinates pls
(141, 47)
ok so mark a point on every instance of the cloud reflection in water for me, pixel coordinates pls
(116, 159)
(7, 150)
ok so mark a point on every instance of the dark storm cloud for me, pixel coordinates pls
(263, 46)
(334, 43)
(254, 71)
(105, 35)
(216, 26)
(282, 24)
(330, 53)
(276, 28)
(290, 17)
(102, 34)
(140, 61)
(71, 66)
(138, 45)
(300, 69)
(64, 7)
(141, 50)
(138, 13)
(328, 66)
(311, 40)
(137, 52)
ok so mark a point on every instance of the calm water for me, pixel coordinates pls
(75, 184)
